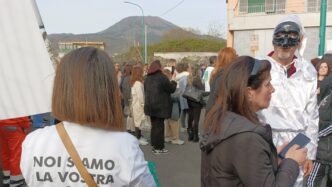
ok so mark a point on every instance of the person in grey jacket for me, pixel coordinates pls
(237, 150)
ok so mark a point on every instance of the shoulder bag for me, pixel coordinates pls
(74, 155)
(193, 94)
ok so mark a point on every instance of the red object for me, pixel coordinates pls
(12, 135)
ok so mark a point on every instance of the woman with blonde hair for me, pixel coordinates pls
(137, 101)
(86, 97)
(225, 57)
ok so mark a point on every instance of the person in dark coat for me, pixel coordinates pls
(323, 163)
(237, 150)
(158, 104)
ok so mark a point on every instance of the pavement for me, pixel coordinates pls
(180, 167)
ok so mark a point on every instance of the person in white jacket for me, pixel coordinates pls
(86, 97)
(137, 102)
(293, 108)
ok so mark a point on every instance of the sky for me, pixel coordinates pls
(90, 16)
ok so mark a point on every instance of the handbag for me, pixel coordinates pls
(74, 155)
(193, 94)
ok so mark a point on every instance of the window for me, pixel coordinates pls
(256, 6)
(314, 5)
(243, 6)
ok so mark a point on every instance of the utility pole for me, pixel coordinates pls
(322, 29)
(143, 32)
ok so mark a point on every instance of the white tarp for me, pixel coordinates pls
(26, 72)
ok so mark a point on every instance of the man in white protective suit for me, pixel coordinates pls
(293, 108)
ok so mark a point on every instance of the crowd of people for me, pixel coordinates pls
(254, 108)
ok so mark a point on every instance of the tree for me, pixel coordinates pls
(177, 34)
(193, 30)
(216, 29)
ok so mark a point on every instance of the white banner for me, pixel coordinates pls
(26, 71)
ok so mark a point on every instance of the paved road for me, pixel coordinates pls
(180, 167)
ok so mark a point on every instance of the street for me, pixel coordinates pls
(180, 167)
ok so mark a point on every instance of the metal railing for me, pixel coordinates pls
(278, 8)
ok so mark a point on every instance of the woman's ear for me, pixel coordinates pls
(250, 93)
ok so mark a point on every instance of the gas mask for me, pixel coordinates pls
(286, 34)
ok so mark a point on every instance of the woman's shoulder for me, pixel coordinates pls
(44, 134)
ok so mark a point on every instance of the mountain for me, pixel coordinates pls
(122, 35)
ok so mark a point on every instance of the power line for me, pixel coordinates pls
(167, 11)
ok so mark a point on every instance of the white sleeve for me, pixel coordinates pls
(312, 118)
(140, 175)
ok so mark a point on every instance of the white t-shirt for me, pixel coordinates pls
(112, 158)
(206, 78)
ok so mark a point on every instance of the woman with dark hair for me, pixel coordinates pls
(225, 57)
(125, 88)
(194, 79)
(86, 97)
(323, 70)
(158, 104)
(237, 149)
(137, 101)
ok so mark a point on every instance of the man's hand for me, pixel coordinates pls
(307, 167)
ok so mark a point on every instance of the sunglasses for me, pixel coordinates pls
(255, 69)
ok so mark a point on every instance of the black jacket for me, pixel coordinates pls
(125, 88)
(197, 83)
(157, 90)
(324, 150)
(243, 154)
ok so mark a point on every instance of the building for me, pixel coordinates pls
(65, 47)
(251, 24)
